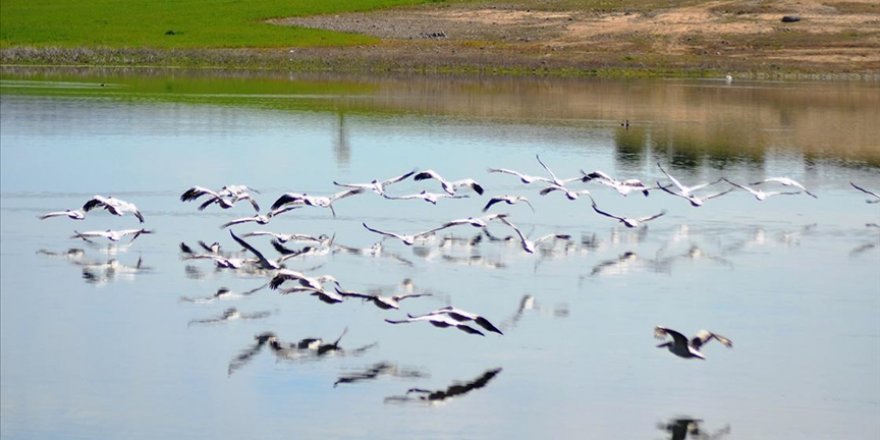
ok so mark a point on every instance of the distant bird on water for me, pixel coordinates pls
(682, 347)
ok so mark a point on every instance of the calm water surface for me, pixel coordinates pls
(92, 352)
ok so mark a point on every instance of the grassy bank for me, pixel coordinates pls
(174, 24)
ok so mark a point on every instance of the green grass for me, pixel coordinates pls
(170, 24)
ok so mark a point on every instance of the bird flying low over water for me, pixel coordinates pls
(688, 192)
(439, 321)
(624, 187)
(759, 194)
(449, 186)
(508, 199)
(69, 213)
(111, 235)
(785, 181)
(112, 205)
(524, 178)
(382, 302)
(429, 197)
(462, 316)
(377, 186)
(682, 347)
(228, 196)
(529, 245)
(555, 181)
(627, 221)
(875, 196)
(259, 219)
(407, 239)
(315, 201)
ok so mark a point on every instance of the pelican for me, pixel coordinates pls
(222, 294)
(315, 201)
(508, 199)
(761, 195)
(322, 294)
(461, 316)
(377, 186)
(114, 206)
(230, 314)
(876, 197)
(304, 280)
(111, 235)
(624, 187)
(429, 197)
(627, 221)
(687, 192)
(449, 186)
(477, 222)
(225, 198)
(440, 321)
(785, 181)
(524, 178)
(528, 245)
(682, 347)
(569, 193)
(407, 239)
(259, 219)
(284, 238)
(69, 213)
(555, 181)
(264, 263)
(382, 302)
(229, 203)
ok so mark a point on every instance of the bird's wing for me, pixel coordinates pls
(712, 196)
(661, 332)
(866, 191)
(196, 192)
(704, 336)
(649, 218)
(95, 202)
(703, 185)
(256, 289)
(346, 193)
(398, 178)
(549, 171)
(237, 221)
(427, 174)
(387, 234)
(606, 214)
(672, 179)
(522, 236)
(52, 214)
(253, 250)
(287, 198)
(743, 187)
(354, 294)
(493, 201)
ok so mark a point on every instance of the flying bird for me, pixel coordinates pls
(876, 196)
(761, 195)
(508, 199)
(524, 178)
(785, 181)
(382, 302)
(407, 239)
(624, 187)
(429, 197)
(315, 201)
(112, 205)
(377, 186)
(627, 221)
(449, 186)
(111, 235)
(684, 348)
(259, 219)
(69, 213)
(462, 316)
(439, 321)
(687, 192)
(529, 245)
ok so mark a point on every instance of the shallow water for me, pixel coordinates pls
(89, 352)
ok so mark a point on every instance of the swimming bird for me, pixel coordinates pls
(382, 302)
(682, 347)
(315, 201)
(407, 239)
(230, 314)
(462, 316)
(449, 186)
(687, 192)
(113, 205)
(759, 194)
(439, 321)
(785, 181)
(876, 196)
(524, 178)
(624, 187)
(259, 219)
(111, 235)
(508, 199)
(627, 221)
(429, 197)
(69, 213)
(528, 245)
(377, 186)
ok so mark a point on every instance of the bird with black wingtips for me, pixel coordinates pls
(686, 348)
(73, 214)
(113, 205)
(462, 316)
(450, 186)
(376, 185)
(508, 199)
(629, 222)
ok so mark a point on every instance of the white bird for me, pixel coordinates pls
(326, 296)
(113, 205)
(786, 181)
(407, 239)
(429, 197)
(462, 316)
(315, 201)
(111, 235)
(761, 195)
(528, 245)
(302, 279)
(627, 221)
(284, 238)
(449, 186)
(227, 196)
(377, 186)
(69, 213)
(440, 321)
(624, 187)
(382, 302)
(524, 178)
(553, 179)
(259, 219)
(477, 222)
(687, 192)
(682, 347)
(876, 197)
(569, 193)
(262, 261)
(508, 199)
(230, 314)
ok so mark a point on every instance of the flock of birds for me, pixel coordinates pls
(328, 289)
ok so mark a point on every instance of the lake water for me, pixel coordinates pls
(94, 351)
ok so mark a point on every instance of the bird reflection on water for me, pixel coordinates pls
(377, 370)
(305, 349)
(683, 428)
(457, 389)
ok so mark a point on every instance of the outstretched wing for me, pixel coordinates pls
(704, 336)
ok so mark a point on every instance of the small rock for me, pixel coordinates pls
(790, 18)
